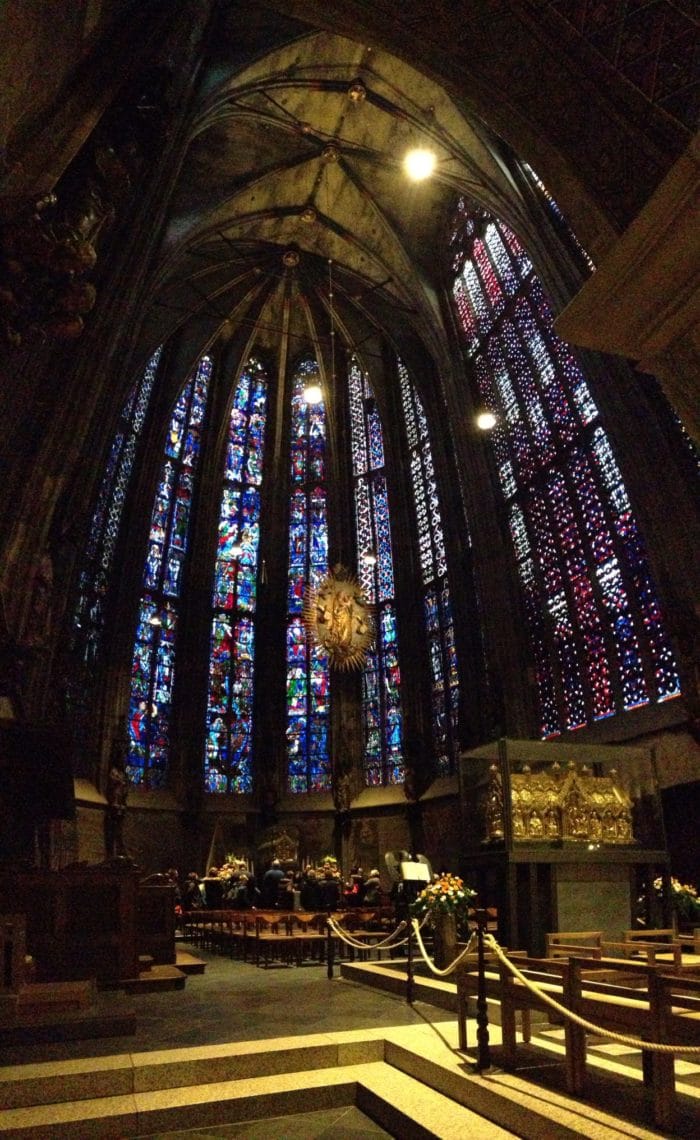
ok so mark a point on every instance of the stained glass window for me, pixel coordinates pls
(381, 702)
(308, 682)
(439, 624)
(153, 666)
(558, 218)
(228, 752)
(598, 635)
(104, 529)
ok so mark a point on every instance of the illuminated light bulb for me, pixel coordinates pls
(369, 558)
(485, 421)
(155, 620)
(357, 91)
(236, 550)
(313, 394)
(419, 164)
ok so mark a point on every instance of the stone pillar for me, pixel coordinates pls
(643, 301)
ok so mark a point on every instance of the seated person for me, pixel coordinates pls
(192, 895)
(372, 889)
(310, 893)
(285, 894)
(329, 890)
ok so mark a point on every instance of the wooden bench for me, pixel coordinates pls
(668, 954)
(659, 946)
(675, 1014)
(562, 943)
(639, 1001)
(466, 978)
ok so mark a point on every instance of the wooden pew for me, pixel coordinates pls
(650, 1005)
(675, 1016)
(562, 943)
(668, 954)
(466, 978)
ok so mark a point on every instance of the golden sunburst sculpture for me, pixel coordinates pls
(339, 619)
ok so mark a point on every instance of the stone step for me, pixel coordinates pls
(410, 1079)
(397, 1101)
(155, 979)
(189, 963)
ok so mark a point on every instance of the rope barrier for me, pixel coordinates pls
(453, 964)
(356, 944)
(599, 1031)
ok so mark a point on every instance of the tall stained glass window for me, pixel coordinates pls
(381, 703)
(106, 519)
(598, 634)
(439, 625)
(228, 757)
(153, 666)
(308, 678)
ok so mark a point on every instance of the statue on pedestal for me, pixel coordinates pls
(117, 791)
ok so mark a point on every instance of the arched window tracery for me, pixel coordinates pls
(153, 662)
(596, 628)
(308, 677)
(96, 571)
(229, 722)
(381, 701)
(437, 606)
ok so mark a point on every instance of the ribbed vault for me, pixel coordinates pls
(302, 150)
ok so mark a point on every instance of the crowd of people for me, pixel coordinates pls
(234, 885)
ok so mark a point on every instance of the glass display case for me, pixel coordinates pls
(563, 837)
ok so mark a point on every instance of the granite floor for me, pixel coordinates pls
(235, 1001)
(326, 1124)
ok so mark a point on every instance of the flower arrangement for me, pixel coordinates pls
(447, 894)
(684, 899)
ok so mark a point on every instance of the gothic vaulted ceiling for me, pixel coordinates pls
(293, 187)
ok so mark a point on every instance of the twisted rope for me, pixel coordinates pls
(428, 960)
(357, 944)
(635, 1042)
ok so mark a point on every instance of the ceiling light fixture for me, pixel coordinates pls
(486, 420)
(313, 394)
(419, 163)
(357, 91)
(330, 153)
(309, 215)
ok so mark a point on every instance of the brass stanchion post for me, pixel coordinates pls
(330, 950)
(409, 964)
(483, 1055)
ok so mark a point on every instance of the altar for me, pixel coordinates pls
(560, 836)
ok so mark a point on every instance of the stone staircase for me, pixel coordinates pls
(143, 1094)
(409, 1079)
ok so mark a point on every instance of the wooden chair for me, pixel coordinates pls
(274, 939)
(311, 936)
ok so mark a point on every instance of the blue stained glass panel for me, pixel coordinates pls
(308, 673)
(228, 754)
(153, 660)
(381, 704)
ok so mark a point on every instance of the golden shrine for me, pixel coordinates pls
(562, 836)
(560, 804)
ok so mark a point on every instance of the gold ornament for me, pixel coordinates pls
(339, 619)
